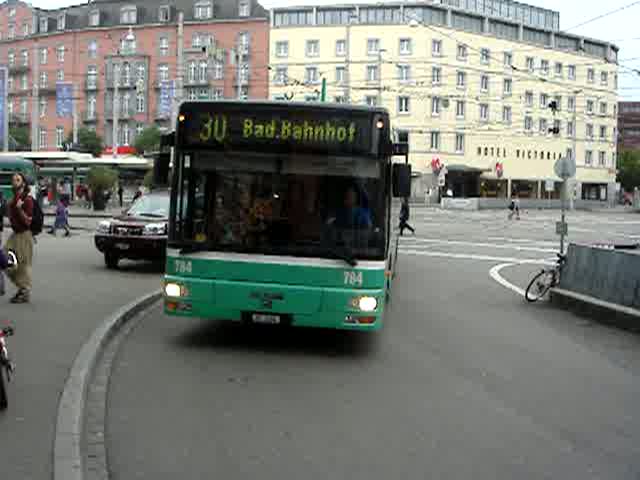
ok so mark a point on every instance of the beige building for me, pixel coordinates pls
(469, 84)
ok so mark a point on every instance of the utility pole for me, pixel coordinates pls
(575, 142)
(35, 101)
(116, 106)
(178, 94)
(5, 126)
(348, 59)
(238, 55)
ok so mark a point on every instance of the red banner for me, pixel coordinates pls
(123, 150)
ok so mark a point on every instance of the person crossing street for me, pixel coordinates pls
(404, 218)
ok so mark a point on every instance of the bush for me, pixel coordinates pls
(101, 180)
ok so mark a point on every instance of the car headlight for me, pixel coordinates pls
(155, 229)
(103, 227)
(175, 290)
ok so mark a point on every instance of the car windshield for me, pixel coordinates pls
(150, 206)
(304, 206)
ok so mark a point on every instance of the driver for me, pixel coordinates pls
(353, 214)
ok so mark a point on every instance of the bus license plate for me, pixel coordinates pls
(265, 319)
(122, 246)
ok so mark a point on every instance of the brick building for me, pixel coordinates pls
(83, 45)
(629, 126)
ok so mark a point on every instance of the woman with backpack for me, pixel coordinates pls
(21, 212)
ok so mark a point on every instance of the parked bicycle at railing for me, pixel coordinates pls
(6, 366)
(545, 280)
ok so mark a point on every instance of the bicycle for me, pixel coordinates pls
(6, 366)
(545, 280)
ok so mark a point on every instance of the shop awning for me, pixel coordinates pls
(464, 169)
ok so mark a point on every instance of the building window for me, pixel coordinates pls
(26, 30)
(24, 85)
(531, 64)
(372, 73)
(508, 59)
(311, 75)
(192, 95)
(461, 79)
(508, 87)
(313, 48)
(43, 80)
(43, 107)
(435, 106)
(24, 107)
(282, 75)
(603, 133)
(615, 85)
(484, 83)
(571, 72)
(436, 76)
(462, 52)
(544, 100)
(591, 75)
(485, 56)
(557, 127)
(128, 45)
(544, 67)
(459, 142)
(460, 109)
(528, 124)
(12, 12)
(404, 106)
(164, 46)
(128, 14)
(44, 24)
(484, 112)
(404, 73)
(528, 99)
(341, 48)
(604, 78)
(192, 72)
(436, 48)
(92, 49)
(59, 137)
(570, 129)
(544, 128)
(60, 53)
(10, 83)
(282, 49)
(590, 107)
(435, 140)
(91, 106)
(202, 71)
(588, 158)
(558, 100)
(164, 14)
(60, 76)
(371, 100)
(373, 46)
(61, 21)
(42, 138)
(590, 131)
(602, 159)
(94, 18)
(163, 72)
(141, 74)
(571, 104)
(11, 56)
(43, 56)
(506, 115)
(217, 94)
(140, 103)
(126, 74)
(218, 71)
(202, 10)
(559, 69)
(603, 108)
(12, 31)
(244, 8)
(405, 46)
(10, 108)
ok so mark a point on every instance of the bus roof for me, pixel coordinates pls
(9, 162)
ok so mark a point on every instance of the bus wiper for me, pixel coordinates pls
(345, 255)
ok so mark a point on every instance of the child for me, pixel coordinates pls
(62, 217)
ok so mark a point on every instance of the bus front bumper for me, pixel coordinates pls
(326, 307)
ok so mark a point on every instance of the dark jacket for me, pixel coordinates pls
(404, 211)
(3, 211)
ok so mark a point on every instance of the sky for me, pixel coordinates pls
(617, 28)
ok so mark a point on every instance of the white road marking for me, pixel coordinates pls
(476, 244)
(470, 256)
(495, 274)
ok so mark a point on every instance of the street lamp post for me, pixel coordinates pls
(380, 52)
(352, 19)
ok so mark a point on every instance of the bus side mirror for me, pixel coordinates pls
(161, 169)
(401, 180)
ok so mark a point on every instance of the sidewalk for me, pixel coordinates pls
(77, 211)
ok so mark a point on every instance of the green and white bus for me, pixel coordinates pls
(10, 164)
(281, 213)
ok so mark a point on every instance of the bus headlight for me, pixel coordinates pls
(103, 227)
(175, 290)
(366, 304)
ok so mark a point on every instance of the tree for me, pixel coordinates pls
(101, 180)
(629, 169)
(88, 141)
(148, 140)
(19, 138)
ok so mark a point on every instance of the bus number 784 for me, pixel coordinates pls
(353, 278)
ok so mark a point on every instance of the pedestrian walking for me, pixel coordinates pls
(404, 218)
(514, 207)
(120, 194)
(20, 211)
(62, 218)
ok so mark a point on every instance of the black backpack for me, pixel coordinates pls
(37, 221)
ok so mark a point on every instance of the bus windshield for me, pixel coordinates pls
(295, 205)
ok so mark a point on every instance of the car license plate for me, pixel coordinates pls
(265, 318)
(122, 246)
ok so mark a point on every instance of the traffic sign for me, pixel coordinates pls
(562, 228)
(565, 168)
(549, 185)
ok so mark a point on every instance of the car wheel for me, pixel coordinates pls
(111, 260)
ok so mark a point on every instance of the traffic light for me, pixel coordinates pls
(553, 106)
(555, 130)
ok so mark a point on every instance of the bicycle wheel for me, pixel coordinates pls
(4, 402)
(539, 286)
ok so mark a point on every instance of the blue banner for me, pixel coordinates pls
(64, 99)
(3, 104)
(167, 92)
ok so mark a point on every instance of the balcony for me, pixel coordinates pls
(15, 68)
(47, 90)
(196, 82)
(19, 119)
(122, 114)
(91, 84)
(89, 117)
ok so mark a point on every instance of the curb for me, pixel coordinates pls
(67, 454)
(601, 311)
